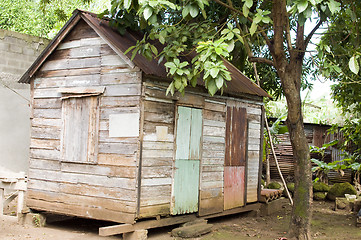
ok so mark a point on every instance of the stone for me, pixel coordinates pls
(136, 235)
(319, 196)
(192, 231)
(195, 222)
(339, 190)
(274, 185)
(342, 203)
(320, 187)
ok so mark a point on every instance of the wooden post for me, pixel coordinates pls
(2, 200)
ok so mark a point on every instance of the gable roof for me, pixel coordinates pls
(120, 43)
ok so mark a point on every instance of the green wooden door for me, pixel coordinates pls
(187, 161)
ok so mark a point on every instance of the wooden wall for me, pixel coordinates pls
(107, 189)
(158, 155)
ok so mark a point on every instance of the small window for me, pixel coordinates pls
(80, 125)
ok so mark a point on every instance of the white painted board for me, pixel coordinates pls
(124, 125)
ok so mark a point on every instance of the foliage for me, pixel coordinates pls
(319, 196)
(42, 18)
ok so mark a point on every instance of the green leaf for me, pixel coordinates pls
(214, 72)
(302, 5)
(230, 46)
(154, 49)
(170, 89)
(127, 4)
(212, 87)
(245, 10)
(194, 11)
(185, 11)
(253, 28)
(248, 3)
(333, 6)
(353, 65)
(219, 82)
(148, 11)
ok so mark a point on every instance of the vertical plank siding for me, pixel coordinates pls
(106, 189)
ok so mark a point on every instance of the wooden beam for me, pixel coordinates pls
(123, 228)
(247, 208)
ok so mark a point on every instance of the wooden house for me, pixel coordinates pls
(107, 143)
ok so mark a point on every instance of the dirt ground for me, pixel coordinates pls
(326, 224)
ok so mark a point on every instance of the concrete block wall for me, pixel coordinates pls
(17, 52)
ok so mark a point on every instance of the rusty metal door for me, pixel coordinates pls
(235, 159)
(188, 150)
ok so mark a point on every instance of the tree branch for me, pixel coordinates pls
(288, 31)
(261, 60)
(308, 38)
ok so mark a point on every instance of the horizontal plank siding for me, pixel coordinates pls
(106, 188)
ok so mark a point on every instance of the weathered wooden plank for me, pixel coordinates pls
(122, 90)
(128, 101)
(47, 113)
(158, 146)
(159, 118)
(47, 103)
(85, 52)
(42, 185)
(113, 60)
(111, 171)
(46, 93)
(118, 148)
(69, 72)
(82, 200)
(44, 122)
(45, 154)
(44, 164)
(80, 211)
(155, 210)
(117, 160)
(151, 127)
(212, 161)
(45, 132)
(155, 153)
(161, 161)
(157, 171)
(213, 184)
(209, 140)
(212, 168)
(159, 107)
(155, 195)
(152, 137)
(105, 112)
(215, 106)
(82, 30)
(96, 41)
(159, 94)
(213, 123)
(191, 100)
(64, 64)
(121, 194)
(156, 181)
(213, 154)
(117, 69)
(68, 81)
(210, 206)
(211, 176)
(213, 115)
(214, 147)
(211, 193)
(118, 229)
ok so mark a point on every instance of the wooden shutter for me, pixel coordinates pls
(80, 120)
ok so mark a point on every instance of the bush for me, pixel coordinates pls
(274, 185)
(320, 187)
(319, 196)
(339, 190)
(291, 187)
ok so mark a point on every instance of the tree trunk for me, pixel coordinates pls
(301, 211)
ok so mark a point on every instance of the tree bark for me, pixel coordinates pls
(289, 70)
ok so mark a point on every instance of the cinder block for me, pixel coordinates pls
(16, 48)
(136, 235)
(4, 46)
(28, 51)
(35, 219)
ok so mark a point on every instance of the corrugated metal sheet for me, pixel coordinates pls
(234, 187)
(120, 43)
